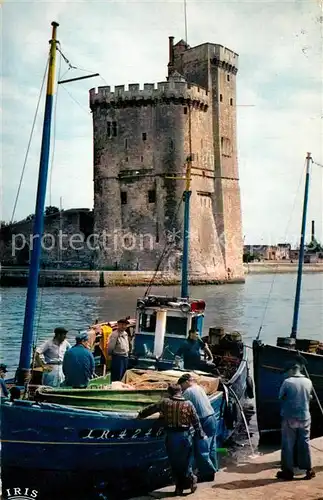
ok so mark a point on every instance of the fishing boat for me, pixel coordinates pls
(270, 360)
(74, 443)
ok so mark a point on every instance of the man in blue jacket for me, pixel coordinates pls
(78, 363)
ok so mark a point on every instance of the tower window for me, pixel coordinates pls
(152, 196)
(185, 110)
(221, 98)
(124, 198)
(141, 158)
(231, 102)
(127, 159)
(144, 136)
(112, 129)
(126, 143)
(228, 78)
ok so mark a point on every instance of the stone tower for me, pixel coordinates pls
(142, 137)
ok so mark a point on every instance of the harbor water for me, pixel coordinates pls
(266, 300)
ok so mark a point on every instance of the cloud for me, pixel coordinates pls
(279, 99)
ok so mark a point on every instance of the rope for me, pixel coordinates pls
(314, 391)
(276, 269)
(29, 144)
(77, 102)
(164, 252)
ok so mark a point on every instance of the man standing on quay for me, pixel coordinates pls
(295, 395)
(207, 463)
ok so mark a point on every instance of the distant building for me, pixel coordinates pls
(283, 251)
(269, 252)
(64, 240)
(262, 252)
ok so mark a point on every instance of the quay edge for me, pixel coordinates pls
(83, 278)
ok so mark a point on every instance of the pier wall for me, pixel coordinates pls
(81, 278)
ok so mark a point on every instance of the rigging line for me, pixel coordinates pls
(54, 135)
(65, 59)
(318, 164)
(71, 66)
(77, 102)
(29, 143)
(276, 269)
(171, 247)
(167, 248)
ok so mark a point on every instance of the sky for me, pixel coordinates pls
(279, 95)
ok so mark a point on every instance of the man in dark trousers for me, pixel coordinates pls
(179, 417)
(78, 363)
(118, 349)
(206, 462)
(295, 396)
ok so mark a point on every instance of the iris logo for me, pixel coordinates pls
(21, 494)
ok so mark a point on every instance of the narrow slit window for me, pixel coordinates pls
(127, 159)
(114, 129)
(221, 97)
(185, 110)
(231, 102)
(141, 158)
(152, 196)
(144, 136)
(228, 78)
(126, 143)
(109, 129)
(124, 198)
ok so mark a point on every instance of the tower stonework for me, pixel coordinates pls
(142, 137)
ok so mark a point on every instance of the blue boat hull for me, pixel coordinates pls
(269, 362)
(54, 442)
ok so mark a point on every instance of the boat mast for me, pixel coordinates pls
(187, 197)
(301, 250)
(23, 371)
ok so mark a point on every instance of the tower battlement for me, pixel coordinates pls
(172, 90)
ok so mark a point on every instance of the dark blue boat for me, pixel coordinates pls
(269, 361)
(63, 451)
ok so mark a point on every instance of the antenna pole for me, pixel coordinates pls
(301, 249)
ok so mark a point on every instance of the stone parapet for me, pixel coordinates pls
(174, 91)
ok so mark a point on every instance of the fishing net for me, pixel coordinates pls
(150, 380)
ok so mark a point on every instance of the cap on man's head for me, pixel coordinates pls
(291, 365)
(123, 321)
(174, 389)
(82, 337)
(187, 377)
(60, 330)
(3, 368)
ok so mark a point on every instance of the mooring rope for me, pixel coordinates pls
(29, 144)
